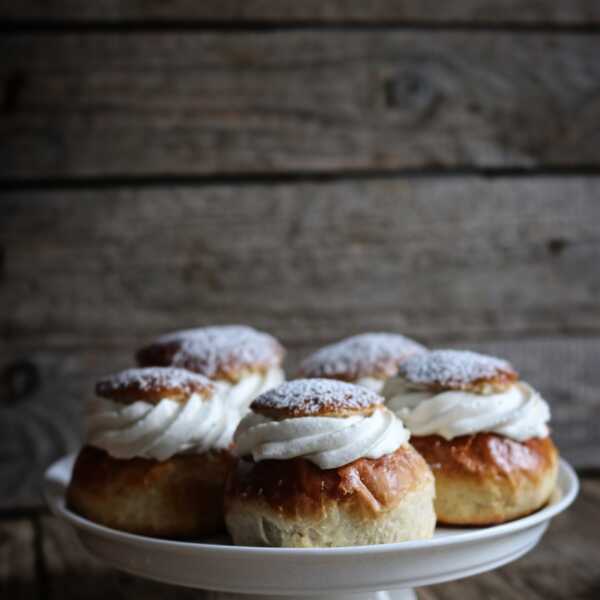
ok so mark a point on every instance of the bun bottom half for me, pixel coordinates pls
(293, 503)
(486, 479)
(181, 497)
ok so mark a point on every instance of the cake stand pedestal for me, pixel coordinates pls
(350, 573)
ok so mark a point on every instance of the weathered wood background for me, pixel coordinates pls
(315, 169)
(95, 104)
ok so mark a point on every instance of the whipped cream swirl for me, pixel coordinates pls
(161, 430)
(371, 383)
(519, 413)
(241, 394)
(328, 442)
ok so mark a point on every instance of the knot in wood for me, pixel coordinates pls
(20, 379)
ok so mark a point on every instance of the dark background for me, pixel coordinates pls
(315, 169)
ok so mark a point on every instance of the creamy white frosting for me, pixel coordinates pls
(160, 430)
(328, 442)
(519, 413)
(371, 383)
(241, 394)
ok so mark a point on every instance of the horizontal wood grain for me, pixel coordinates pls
(71, 569)
(278, 11)
(68, 562)
(187, 103)
(442, 258)
(17, 560)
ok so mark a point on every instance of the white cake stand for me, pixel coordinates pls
(353, 573)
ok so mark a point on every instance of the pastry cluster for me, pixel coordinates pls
(367, 359)
(483, 432)
(324, 463)
(159, 437)
(375, 440)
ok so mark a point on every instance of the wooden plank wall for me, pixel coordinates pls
(315, 169)
(308, 101)
(282, 12)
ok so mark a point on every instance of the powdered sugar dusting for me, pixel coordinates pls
(311, 396)
(152, 378)
(361, 356)
(210, 350)
(452, 367)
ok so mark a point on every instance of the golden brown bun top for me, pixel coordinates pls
(486, 454)
(440, 370)
(316, 398)
(298, 488)
(221, 352)
(153, 384)
(366, 355)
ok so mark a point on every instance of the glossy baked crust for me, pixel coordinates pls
(295, 503)
(181, 497)
(486, 478)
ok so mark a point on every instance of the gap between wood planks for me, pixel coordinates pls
(18, 26)
(262, 178)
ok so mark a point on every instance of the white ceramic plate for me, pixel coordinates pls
(217, 565)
